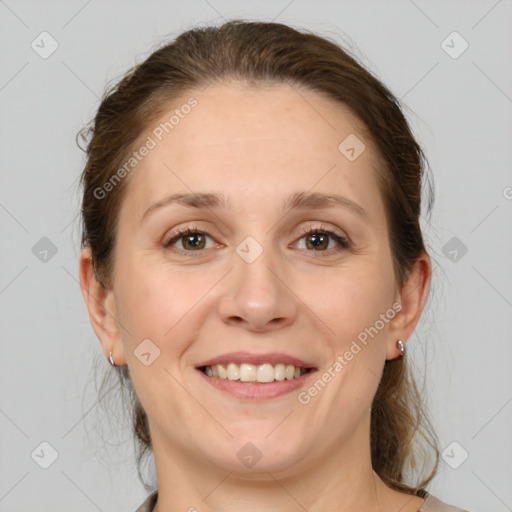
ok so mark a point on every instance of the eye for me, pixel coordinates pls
(190, 238)
(317, 239)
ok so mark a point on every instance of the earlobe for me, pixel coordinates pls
(413, 296)
(101, 307)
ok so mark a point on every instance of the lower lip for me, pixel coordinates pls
(257, 391)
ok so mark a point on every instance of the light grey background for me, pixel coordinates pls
(460, 109)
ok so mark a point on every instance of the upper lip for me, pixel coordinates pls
(256, 359)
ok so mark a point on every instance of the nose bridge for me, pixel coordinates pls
(256, 294)
(255, 272)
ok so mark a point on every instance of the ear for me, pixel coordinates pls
(102, 312)
(412, 297)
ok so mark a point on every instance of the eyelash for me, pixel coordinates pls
(342, 240)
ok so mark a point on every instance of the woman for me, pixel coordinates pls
(253, 266)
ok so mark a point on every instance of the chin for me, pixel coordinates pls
(255, 451)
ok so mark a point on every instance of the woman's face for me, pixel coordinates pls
(248, 286)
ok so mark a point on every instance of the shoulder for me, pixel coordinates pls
(149, 502)
(433, 504)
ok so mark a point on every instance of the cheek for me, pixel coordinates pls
(165, 305)
(152, 301)
(351, 302)
(360, 316)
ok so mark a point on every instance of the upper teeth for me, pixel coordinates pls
(254, 373)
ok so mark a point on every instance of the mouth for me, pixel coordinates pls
(251, 373)
(256, 376)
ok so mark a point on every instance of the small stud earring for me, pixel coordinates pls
(401, 347)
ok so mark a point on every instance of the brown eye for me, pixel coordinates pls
(317, 241)
(191, 240)
(318, 238)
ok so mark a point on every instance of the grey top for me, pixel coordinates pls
(431, 503)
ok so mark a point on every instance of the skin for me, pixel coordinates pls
(257, 146)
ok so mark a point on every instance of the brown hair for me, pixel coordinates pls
(265, 53)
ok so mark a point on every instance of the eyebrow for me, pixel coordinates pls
(299, 200)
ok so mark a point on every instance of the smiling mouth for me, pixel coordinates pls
(255, 374)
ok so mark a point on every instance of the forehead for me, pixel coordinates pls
(255, 143)
(265, 117)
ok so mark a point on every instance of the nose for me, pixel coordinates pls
(257, 296)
